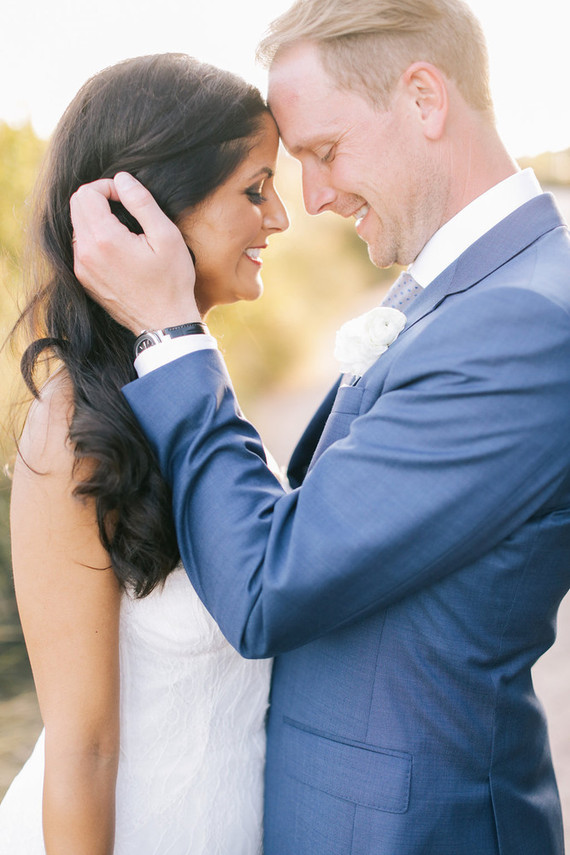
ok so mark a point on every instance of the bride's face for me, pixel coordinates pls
(229, 229)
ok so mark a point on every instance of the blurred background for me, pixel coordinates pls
(317, 275)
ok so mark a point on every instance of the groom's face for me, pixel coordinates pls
(357, 160)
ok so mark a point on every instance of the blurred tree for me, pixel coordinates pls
(20, 154)
(7, 608)
(551, 167)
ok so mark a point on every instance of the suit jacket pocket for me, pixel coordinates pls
(365, 775)
(348, 400)
(345, 408)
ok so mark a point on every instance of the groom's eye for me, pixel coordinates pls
(328, 157)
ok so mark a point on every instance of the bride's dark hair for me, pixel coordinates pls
(181, 127)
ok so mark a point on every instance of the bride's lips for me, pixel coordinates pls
(253, 254)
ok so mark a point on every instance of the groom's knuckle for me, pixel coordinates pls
(102, 242)
(81, 195)
(89, 249)
(82, 259)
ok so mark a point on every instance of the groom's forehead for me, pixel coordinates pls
(304, 130)
(304, 101)
(297, 73)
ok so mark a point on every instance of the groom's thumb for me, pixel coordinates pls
(128, 186)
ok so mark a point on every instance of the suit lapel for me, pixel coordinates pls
(305, 448)
(346, 407)
(494, 249)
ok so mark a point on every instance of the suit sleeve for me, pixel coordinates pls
(469, 438)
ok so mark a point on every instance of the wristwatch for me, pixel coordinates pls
(148, 338)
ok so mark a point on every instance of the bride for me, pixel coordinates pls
(154, 726)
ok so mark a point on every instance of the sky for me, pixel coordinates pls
(50, 48)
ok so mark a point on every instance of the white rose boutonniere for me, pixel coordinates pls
(362, 340)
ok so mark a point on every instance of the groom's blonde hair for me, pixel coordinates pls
(367, 44)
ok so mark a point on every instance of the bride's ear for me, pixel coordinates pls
(427, 87)
(184, 225)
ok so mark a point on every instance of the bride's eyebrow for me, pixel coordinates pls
(263, 171)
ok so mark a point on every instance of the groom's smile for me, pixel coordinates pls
(361, 213)
(359, 159)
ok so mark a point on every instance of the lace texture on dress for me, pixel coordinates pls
(190, 778)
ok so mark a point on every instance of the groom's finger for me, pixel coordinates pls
(141, 204)
(90, 212)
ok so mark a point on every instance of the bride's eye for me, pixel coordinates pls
(255, 195)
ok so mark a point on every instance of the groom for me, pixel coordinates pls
(410, 582)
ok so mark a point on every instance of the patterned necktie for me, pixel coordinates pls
(403, 291)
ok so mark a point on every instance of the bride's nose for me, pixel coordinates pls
(275, 217)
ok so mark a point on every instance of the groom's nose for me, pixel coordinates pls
(318, 194)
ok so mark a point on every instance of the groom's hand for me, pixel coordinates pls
(144, 281)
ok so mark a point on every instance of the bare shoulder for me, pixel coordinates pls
(51, 526)
(44, 445)
(44, 499)
(68, 595)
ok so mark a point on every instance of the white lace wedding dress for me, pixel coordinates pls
(190, 778)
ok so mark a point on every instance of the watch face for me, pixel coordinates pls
(143, 344)
(145, 340)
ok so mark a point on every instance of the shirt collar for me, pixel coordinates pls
(477, 218)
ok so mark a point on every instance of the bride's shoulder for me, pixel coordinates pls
(44, 443)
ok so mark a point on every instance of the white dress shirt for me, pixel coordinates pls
(471, 223)
(167, 351)
(447, 244)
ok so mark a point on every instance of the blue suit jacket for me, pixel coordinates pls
(412, 580)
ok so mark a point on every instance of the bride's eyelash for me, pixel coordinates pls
(255, 196)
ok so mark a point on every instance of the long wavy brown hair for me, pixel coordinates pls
(181, 127)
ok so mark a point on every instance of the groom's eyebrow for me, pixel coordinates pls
(307, 145)
(324, 136)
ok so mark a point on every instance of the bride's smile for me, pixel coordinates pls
(228, 231)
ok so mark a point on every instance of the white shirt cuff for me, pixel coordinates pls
(167, 351)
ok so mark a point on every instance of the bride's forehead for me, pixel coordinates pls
(262, 152)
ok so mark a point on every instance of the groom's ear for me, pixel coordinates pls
(427, 87)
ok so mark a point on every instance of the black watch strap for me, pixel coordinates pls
(194, 328)
(148, 338)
